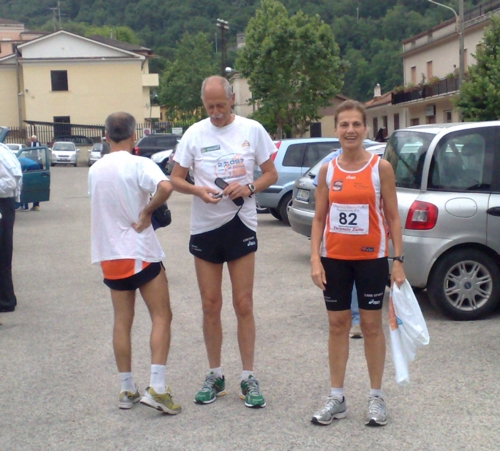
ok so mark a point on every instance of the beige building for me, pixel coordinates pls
(430, 68)
(62, 77)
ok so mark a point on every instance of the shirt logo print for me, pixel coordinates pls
(245, 144)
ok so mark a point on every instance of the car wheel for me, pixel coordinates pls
(75, 165)
(52, 164)
(275, 213)
(165, 167)
(465, 284)
(285, 204)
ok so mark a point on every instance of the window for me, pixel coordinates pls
(318, 151)
(415, 121)
(463, 161)
(294, 155)
(430, 119)
(448, 116)
(429, 70)
(375, 126)
(465, 60)
(414, 75)
(59, 79)
(396, 121)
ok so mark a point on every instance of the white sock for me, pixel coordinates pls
(127, 382)
(246, 374)
(216, 371)
(376, 392)
(157, 381)
(337, 393)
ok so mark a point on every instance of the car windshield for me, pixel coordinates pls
(64, 147)
(97, 147)
(13, 146)
(406, 152)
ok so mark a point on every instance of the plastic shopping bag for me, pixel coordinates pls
(408, 311)
(408, 330)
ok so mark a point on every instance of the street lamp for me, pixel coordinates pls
(224, 26)
(460, 30)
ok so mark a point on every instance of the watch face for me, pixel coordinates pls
(252, 188)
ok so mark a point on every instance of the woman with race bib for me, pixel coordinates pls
(356, 212)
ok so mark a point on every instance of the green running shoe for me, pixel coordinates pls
(250, 392)
(127, 399)
(162, 402)
(212, 388)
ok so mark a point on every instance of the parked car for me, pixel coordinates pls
(292, 158)
(15, 147)
(448, 185)
(64, 153)
(95, 153)
(170, 167)
(162, 143)
(301, 211)
(36, 177)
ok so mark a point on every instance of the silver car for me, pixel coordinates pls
(65, 153)
(448, 186)
(301, 211)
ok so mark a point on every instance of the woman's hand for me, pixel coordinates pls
(318, 274)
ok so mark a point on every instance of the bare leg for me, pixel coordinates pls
(210, 283)
(156, 297)
(123, 305)
(241, 272)
(338, 345)
(371, 325)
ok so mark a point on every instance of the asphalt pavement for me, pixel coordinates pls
(59, 385)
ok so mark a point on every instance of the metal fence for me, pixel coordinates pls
(48, 132)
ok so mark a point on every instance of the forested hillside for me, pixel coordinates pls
(369, 32)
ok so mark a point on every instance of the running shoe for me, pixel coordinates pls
(377, 414)
(35, 208)
(213, 387)
(334, 409)
(355, 331)
(250, 392)
(128, 399)
(162, 402)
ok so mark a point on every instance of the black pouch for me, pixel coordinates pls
(161, 217)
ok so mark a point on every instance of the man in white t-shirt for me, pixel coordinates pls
(223, 151)
(124, 243)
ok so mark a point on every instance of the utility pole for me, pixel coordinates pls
(56, 12)
(224, 26)
(460, 30)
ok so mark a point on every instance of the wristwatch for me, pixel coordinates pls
(251, 188)
(399, 258)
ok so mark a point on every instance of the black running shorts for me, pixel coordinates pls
(229, 242)
(370, 277)
(136, 281)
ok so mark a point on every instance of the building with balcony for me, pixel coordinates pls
(430, 69)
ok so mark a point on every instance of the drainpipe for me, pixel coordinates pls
(19, 92)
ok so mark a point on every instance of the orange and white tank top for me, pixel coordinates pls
(355, 225)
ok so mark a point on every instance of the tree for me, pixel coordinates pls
(479, 97)
(180, 85)
(292, 65)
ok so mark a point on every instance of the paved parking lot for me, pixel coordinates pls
(59, 387)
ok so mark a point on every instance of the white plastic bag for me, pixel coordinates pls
(408, 330)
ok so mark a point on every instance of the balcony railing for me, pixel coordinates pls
(444, 86)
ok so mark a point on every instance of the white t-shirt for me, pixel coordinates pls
(119, 188)
(231, 153)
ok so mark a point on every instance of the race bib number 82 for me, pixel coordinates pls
(349, 219)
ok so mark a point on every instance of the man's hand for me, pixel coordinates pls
(235, 190)
(143, 223)
(206, 194)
